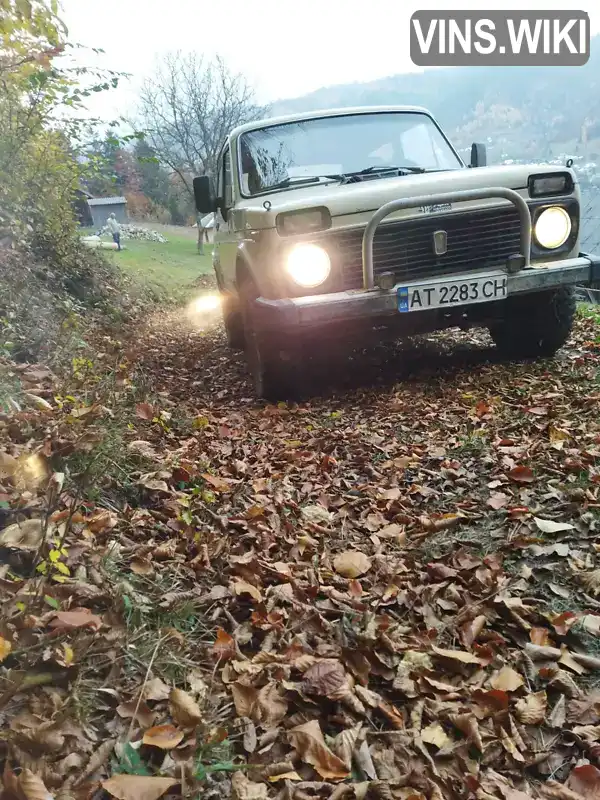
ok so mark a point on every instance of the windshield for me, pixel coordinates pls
(341, 145)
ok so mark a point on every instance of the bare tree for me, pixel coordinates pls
(188, 106)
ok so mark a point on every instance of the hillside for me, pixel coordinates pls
(537, 112)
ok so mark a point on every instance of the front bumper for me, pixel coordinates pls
(301, 312)
(373, 302)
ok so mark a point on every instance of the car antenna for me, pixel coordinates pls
(569, 163)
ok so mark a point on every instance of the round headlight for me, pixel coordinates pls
(552, 228)
(308, 265)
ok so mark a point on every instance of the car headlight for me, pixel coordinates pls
(552, 227)
(308, 265)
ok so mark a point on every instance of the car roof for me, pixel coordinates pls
(328, 112)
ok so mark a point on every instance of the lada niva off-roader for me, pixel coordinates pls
(354, 223)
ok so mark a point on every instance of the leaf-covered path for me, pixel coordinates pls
(391, 591)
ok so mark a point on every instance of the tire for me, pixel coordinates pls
(234, 323)
(536, 325)
(275, 360)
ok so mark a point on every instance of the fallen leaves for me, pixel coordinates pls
(551, 526)
(165, 737)
(136, 787)
(531, 710)
(586, 781)
(521, 474)
(393, 592)
(308, 741)
(184, 709)
(507, 680)
(351, 564)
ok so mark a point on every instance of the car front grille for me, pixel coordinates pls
(476, 240)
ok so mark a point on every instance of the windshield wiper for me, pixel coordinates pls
(298, 180)
(350, 176)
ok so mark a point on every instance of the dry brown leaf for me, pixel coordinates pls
(271, 706)
(507, 680)
(74, 620)
(531, 710)
(218, 484)
(164, 737)
(585, 710)
(324, 678)
(471, 630)
(156, 689)
(310, 745)
(540, 637)
(244, 698)
(155, 485)
(26, 535)
(591, 581)
(521, 474)
(224, 647)
(345, 743)
(351, 564)
(585, 780)
(184, 708)
(456, 655)
(32, 786)
(241, 587)
(498, 500)
(558, 714)
(140, 711)
(435, 735)
(145, 411)
(469, 726)
(138, 787)
(141, 566)
(244, 789)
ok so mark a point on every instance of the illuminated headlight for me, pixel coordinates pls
(552, 228)
(308, 265)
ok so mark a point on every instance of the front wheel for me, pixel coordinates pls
(234, 323)
(535, 325)
(275, 359)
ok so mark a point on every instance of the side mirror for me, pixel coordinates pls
(203, 195)
(478, 155)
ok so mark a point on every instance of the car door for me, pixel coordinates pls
(225, 250)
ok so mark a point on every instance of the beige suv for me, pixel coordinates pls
(356, 224)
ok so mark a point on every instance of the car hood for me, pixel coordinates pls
(366, 197)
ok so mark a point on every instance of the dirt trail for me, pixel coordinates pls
(388, 591)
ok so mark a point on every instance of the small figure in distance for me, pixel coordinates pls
(115, 229)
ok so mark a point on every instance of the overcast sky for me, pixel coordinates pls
(284, 48)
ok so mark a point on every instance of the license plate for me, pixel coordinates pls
(447, 293)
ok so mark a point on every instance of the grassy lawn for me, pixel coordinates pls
(168, 268)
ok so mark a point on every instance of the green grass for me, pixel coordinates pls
(168, 268)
